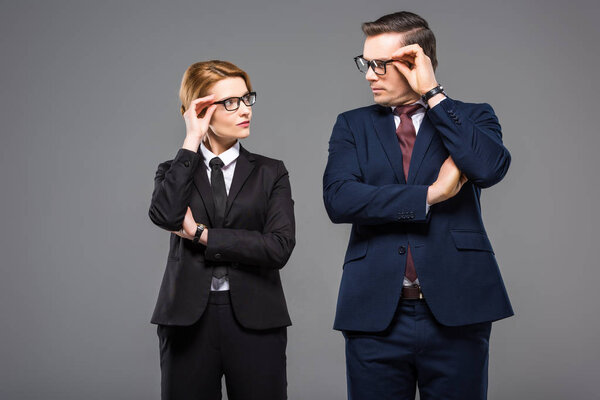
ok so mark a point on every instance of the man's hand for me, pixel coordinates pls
(415, 65)
(448, 183)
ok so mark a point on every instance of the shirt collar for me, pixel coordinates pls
(228, 156)
(421, 102)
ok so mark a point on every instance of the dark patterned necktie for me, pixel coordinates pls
(406, 137)
(219, 191)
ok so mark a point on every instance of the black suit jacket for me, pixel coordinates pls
(256, 240)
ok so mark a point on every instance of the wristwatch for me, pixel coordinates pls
(199, 229)
(433, 92)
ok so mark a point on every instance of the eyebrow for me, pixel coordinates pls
(232, 97)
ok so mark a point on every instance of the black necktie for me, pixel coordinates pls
(217, 183)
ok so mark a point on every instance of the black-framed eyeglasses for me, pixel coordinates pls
(233, 103)
(378, 66)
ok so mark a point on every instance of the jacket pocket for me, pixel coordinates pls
(471, 240)
(356, 250)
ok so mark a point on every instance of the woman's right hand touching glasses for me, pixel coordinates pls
(195, 124)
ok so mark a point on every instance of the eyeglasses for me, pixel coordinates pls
(233, 103)
(378, 66)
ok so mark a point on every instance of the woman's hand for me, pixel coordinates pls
(196, 126)
(188, 231)
(189, 226)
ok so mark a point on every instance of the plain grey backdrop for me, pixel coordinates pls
(89, 108)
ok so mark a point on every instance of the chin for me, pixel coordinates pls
(381, 99)
(382, 102)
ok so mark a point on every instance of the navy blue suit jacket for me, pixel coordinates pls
(364, 185)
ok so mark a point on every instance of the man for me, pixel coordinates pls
(420, 285)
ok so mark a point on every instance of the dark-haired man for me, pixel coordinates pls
(420, 285)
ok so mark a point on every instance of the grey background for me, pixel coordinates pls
(89, 108)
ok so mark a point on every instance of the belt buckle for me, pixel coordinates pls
(418, 287)
(420, 292)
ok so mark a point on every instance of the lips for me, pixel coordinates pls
(244, 124)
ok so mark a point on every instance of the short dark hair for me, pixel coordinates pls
(415, 29)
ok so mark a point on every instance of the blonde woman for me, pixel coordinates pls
(221, 308)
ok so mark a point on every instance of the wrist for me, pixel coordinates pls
(434, 91)
(192, 142)
(204, 237)
(200, 229)
(433, 196)
(435, 100)
(428, 87)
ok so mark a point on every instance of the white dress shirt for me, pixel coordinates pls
(229, 158)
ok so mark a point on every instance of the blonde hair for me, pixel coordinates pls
(199, 77)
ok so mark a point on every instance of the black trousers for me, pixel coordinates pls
(194, 358)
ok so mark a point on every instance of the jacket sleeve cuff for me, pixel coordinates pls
(186, 159)
(445, 112)
(215, 246)
(413, 210)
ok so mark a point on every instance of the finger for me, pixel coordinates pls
(197, 105)
(411, 50)
(191, 113)
(209, 112)
(407, 58)
(202, 105)
(208, 98)
(404, 67)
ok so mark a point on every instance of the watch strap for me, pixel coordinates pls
(199, 229)
(436, 90)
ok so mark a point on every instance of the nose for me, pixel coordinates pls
(244, 110)
(371, 76)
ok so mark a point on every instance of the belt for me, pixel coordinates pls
(412, 292)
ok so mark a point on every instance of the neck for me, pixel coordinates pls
(408, 101)
(218, 145)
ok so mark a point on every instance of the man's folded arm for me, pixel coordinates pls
(349, 200)
(473, 139)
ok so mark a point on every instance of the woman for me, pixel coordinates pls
(221, 308)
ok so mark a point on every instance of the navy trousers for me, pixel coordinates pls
(445, 362)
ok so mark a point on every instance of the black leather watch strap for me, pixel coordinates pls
(433, 92)
(199, 229)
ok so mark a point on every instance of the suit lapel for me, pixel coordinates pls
(203, 186)
(383, 120)
(243, 168)
(424, 137)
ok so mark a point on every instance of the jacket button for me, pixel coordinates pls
(401, 250)
(186, 163)
(218, 256)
